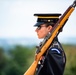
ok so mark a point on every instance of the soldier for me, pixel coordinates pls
(54, 60)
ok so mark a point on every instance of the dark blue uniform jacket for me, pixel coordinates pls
(55, 60)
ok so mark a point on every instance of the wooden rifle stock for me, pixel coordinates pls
(45, 45)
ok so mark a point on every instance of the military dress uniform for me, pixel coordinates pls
(54, 60)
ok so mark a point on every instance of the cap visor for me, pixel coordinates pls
(39, 23)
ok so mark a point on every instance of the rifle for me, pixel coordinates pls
(44, 45)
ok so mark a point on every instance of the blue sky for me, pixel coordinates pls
(17, 20)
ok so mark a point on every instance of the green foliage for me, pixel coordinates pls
(70, 51)
(18, 59)
(21, 55)
(2, 61)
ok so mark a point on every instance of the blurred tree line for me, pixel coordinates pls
(17, 60)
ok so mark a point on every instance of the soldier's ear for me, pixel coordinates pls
(49, 28)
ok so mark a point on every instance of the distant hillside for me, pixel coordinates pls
(68, 40)
(7, 43)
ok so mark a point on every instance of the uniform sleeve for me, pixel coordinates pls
(55, 60)
(53, 64)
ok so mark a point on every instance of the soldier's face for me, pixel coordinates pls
(42, 31)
